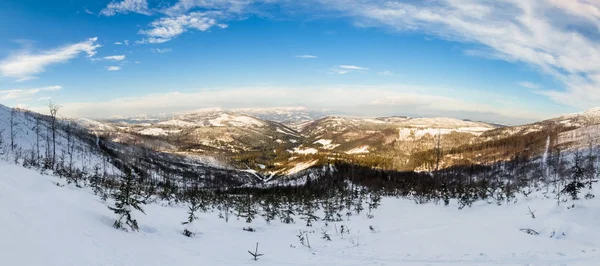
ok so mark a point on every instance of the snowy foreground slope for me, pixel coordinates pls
(44, 224)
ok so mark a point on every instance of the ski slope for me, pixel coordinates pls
(44, 224)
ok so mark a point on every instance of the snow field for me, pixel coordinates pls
(44, 224)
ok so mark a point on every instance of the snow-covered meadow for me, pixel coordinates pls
(46, 224)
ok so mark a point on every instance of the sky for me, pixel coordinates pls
(503, 61)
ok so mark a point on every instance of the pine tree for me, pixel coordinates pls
(270, 209)
(247, 209)
(287, 213)
(373, 203)
(578, 172)
(308, 211)
(194, 205)
(127, 199)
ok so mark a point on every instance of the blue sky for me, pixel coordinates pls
(503, 61)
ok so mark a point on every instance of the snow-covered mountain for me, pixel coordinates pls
(263, 149)
(290, 116)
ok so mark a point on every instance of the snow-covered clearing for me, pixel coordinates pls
(154, 131)
(298, 167)
(305, 151)
(362, 149)
(235, 120)
(43, 224)
(326, 143)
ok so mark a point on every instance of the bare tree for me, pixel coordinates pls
(13, 129)
(53, 108)
(38, 132)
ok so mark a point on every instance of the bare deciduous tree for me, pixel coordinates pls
(53, 108)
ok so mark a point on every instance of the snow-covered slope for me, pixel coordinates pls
(287, 115)
(44, 224)
(30, 136)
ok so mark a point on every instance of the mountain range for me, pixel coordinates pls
(275, 142)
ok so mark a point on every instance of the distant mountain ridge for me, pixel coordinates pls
(273, 142)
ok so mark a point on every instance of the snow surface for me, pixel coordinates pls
(362, 149)
(326, 143)
(305, 151)
(298, 167)
(235, 120)
(44, 224)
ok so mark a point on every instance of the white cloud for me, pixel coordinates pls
(352, 67)
(307, 56)
(113, 68)
(87, 11)
(336, 70)
(555, 36)
(118, 43)
(227, 6)
(161, 51)
(24, 65)
(167, 28)
(345, 69)
(22, 93)
(529, 85)
(126, 6)
(387, 73)
(357, 100)
(114, 57)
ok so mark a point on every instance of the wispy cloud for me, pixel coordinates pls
(22, 93)
(339, 71)
(529, 85)
(126, 6)
(352, 67)
(225, 6)
(24, 65)
(307, 56)
(161, 51)
(114, 57)
(165, 29)
(554, 36)
(345, 69)
(87, 11)
(113, 68)
(118, 43)
(387, 73)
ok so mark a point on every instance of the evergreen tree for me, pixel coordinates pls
(578, 172)
(373, 203)
(247, 209)
(270, 209)
(127, 200)
(287, 213)
(309, 207)
(194, 205)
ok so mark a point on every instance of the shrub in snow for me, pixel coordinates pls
(255, 254)
(529, 231)
(303, 238)
(325, 235)
(189, 228)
